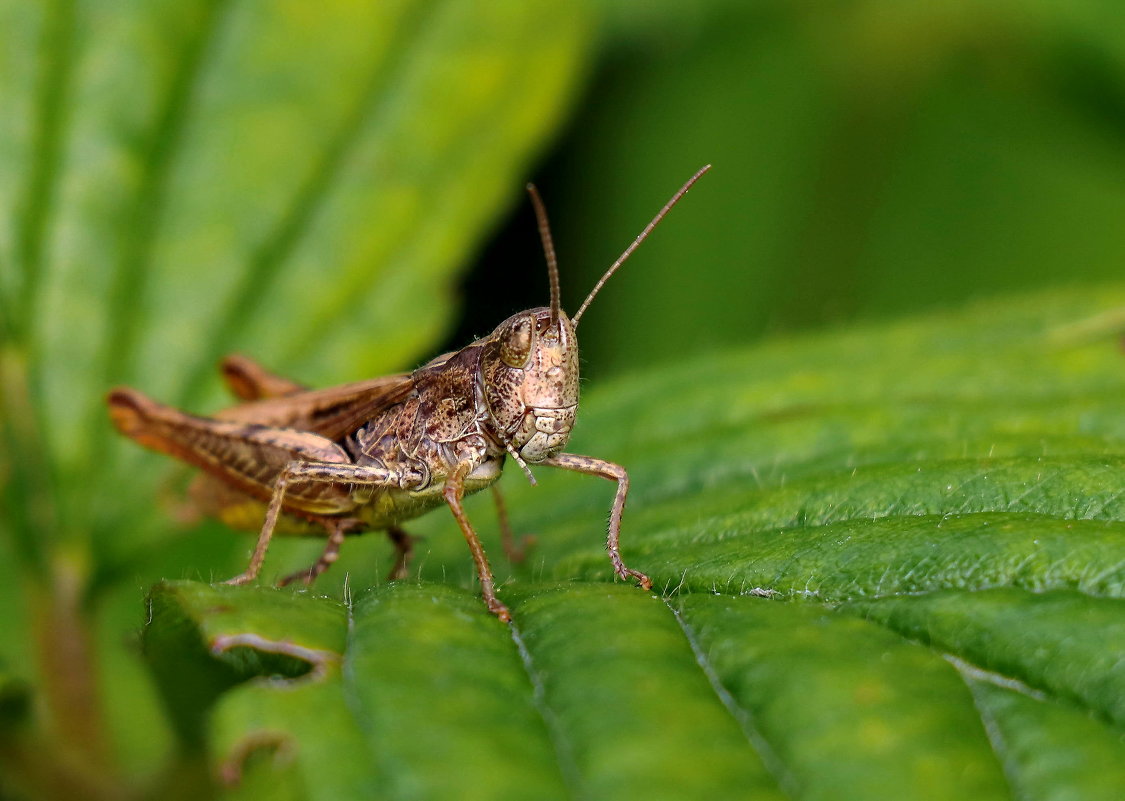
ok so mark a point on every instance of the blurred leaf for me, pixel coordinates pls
(870, 158)
(179, 180)
(15, 702)
(893, 562)
(207, 640)
(289, 182)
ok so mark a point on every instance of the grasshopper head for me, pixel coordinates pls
(531, 381)
(530, 363)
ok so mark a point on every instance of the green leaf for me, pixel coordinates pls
(1050, 750)
(871, 157)
(1018, 634)
(15, 701)
(847, 709)
(621, 685)
(202, 640)
(296, 182)
(300, 182)
(889, 562)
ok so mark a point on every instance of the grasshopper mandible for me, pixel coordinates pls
(372, 454)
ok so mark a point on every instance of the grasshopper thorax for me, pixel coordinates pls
(529, 369)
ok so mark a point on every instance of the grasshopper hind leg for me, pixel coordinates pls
(249, 381)
(298, 472)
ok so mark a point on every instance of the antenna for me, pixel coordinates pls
(548, 251)
(637, 242)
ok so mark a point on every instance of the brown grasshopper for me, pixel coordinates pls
(374, 453)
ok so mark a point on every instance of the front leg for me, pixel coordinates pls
(339, 474)
(614, 472)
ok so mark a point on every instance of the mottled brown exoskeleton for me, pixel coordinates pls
(375, 453)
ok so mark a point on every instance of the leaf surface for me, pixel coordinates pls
(889, 564)
(299, 182)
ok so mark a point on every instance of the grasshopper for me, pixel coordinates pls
(372, 454)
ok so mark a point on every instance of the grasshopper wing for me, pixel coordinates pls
(333, 413)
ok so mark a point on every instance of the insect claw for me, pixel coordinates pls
(240, 579)
(306, 576)
(501, 611)
(643, 581)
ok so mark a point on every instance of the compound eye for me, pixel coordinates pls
(515, 343)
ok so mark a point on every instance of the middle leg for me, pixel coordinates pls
(516, 553)
(454, 491)
(404, 550)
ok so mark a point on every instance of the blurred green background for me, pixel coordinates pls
(870, 158)
(338, 190)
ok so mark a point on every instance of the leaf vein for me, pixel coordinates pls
(743, 716)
